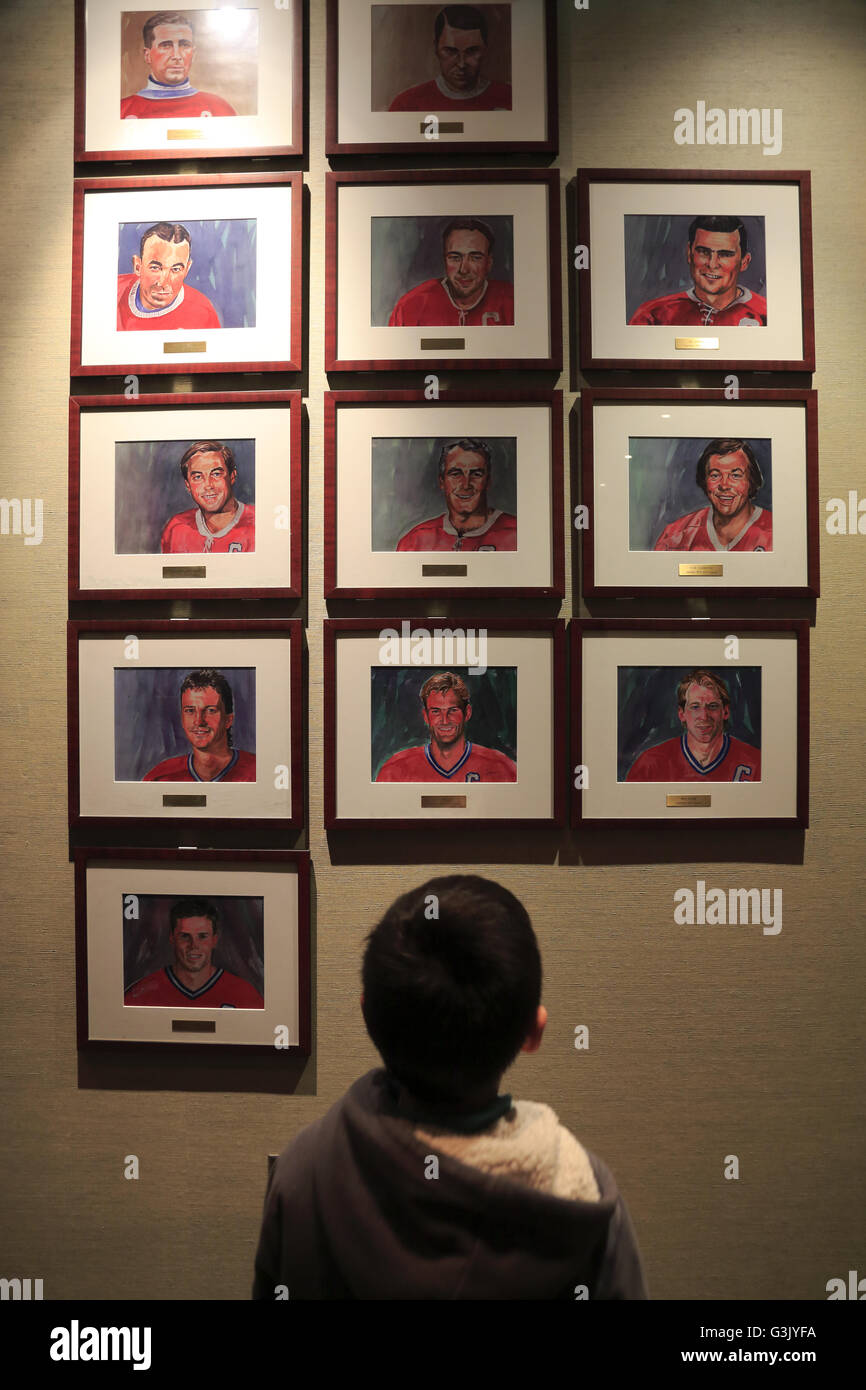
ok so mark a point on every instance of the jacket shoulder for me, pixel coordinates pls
(620, 1274)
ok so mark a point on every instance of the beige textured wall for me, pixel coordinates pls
(704, 1041)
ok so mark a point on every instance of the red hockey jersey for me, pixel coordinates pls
(697, 532)
(242, 768)
(188, 533)
(498, 533)
(748, 309)
(429, 96)
(150, 104)
(223, 990)
(672, 761)
(191, 309)
(430, 305)
(419, 765)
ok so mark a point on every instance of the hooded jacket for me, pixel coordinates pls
(356, 1209)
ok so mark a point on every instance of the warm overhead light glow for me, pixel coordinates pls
(231, 20)
(666, 417)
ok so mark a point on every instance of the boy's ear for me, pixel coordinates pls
(533, 1039)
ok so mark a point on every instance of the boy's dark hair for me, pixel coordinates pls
(449, 1000)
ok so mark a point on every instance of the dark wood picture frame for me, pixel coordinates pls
(550, 360)
(439, 148)
(142, 406)
(698, 359)
(297, 860)
(582, 628)
(178, 629)
(183, 363)
(294, 148)
(584, 469)
(335, 401)
(554, 628)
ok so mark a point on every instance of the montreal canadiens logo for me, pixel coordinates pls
(473, 777)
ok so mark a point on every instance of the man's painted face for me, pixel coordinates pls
(446, 717)
(464, 482)
(460, 53)
(204, 720)
(715, 260)
(161, 269)
(727, 482)
(170, 55)
(194, 941)
(467, 263)
(209, 482)
(704, 714)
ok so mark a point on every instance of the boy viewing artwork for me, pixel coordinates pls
(425, 1181)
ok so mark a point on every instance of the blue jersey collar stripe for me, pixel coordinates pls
(220, 775)
(702, 768)
(444, 772)
(193, 993)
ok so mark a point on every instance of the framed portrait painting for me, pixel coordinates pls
(457, 496)
(185, 496)
(702, 719)
(415, 78)
(429, 724)
(205, 80)
(200, 272)
(446, 269)
(193, 948)
(689, 492)
(186, 720)
(676, 265)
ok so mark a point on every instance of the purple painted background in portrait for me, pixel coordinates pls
(655, 256)
(147, 727)
(406, 251)
(149, 488)
(223, 255)
(241, 930)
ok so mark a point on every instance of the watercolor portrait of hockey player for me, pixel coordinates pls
(185, 497)
(441, 58)
(441, 726)
(442, 271)
(194, 275)
(709, 271)
(678, 724)
(193, 951)
(183, 725)
(181, 65)
(455, 493)
(690, 494)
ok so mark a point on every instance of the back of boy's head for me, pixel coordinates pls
(452, 984)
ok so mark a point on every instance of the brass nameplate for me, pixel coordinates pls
(444, 128)
(693, 344)
(184, 347)
(702, 569)
(184, 572)
(175, 800)
(688, 800)
(443, 344)
(450, 802)
(184, 134)
(432, 571)
(193, 1025)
